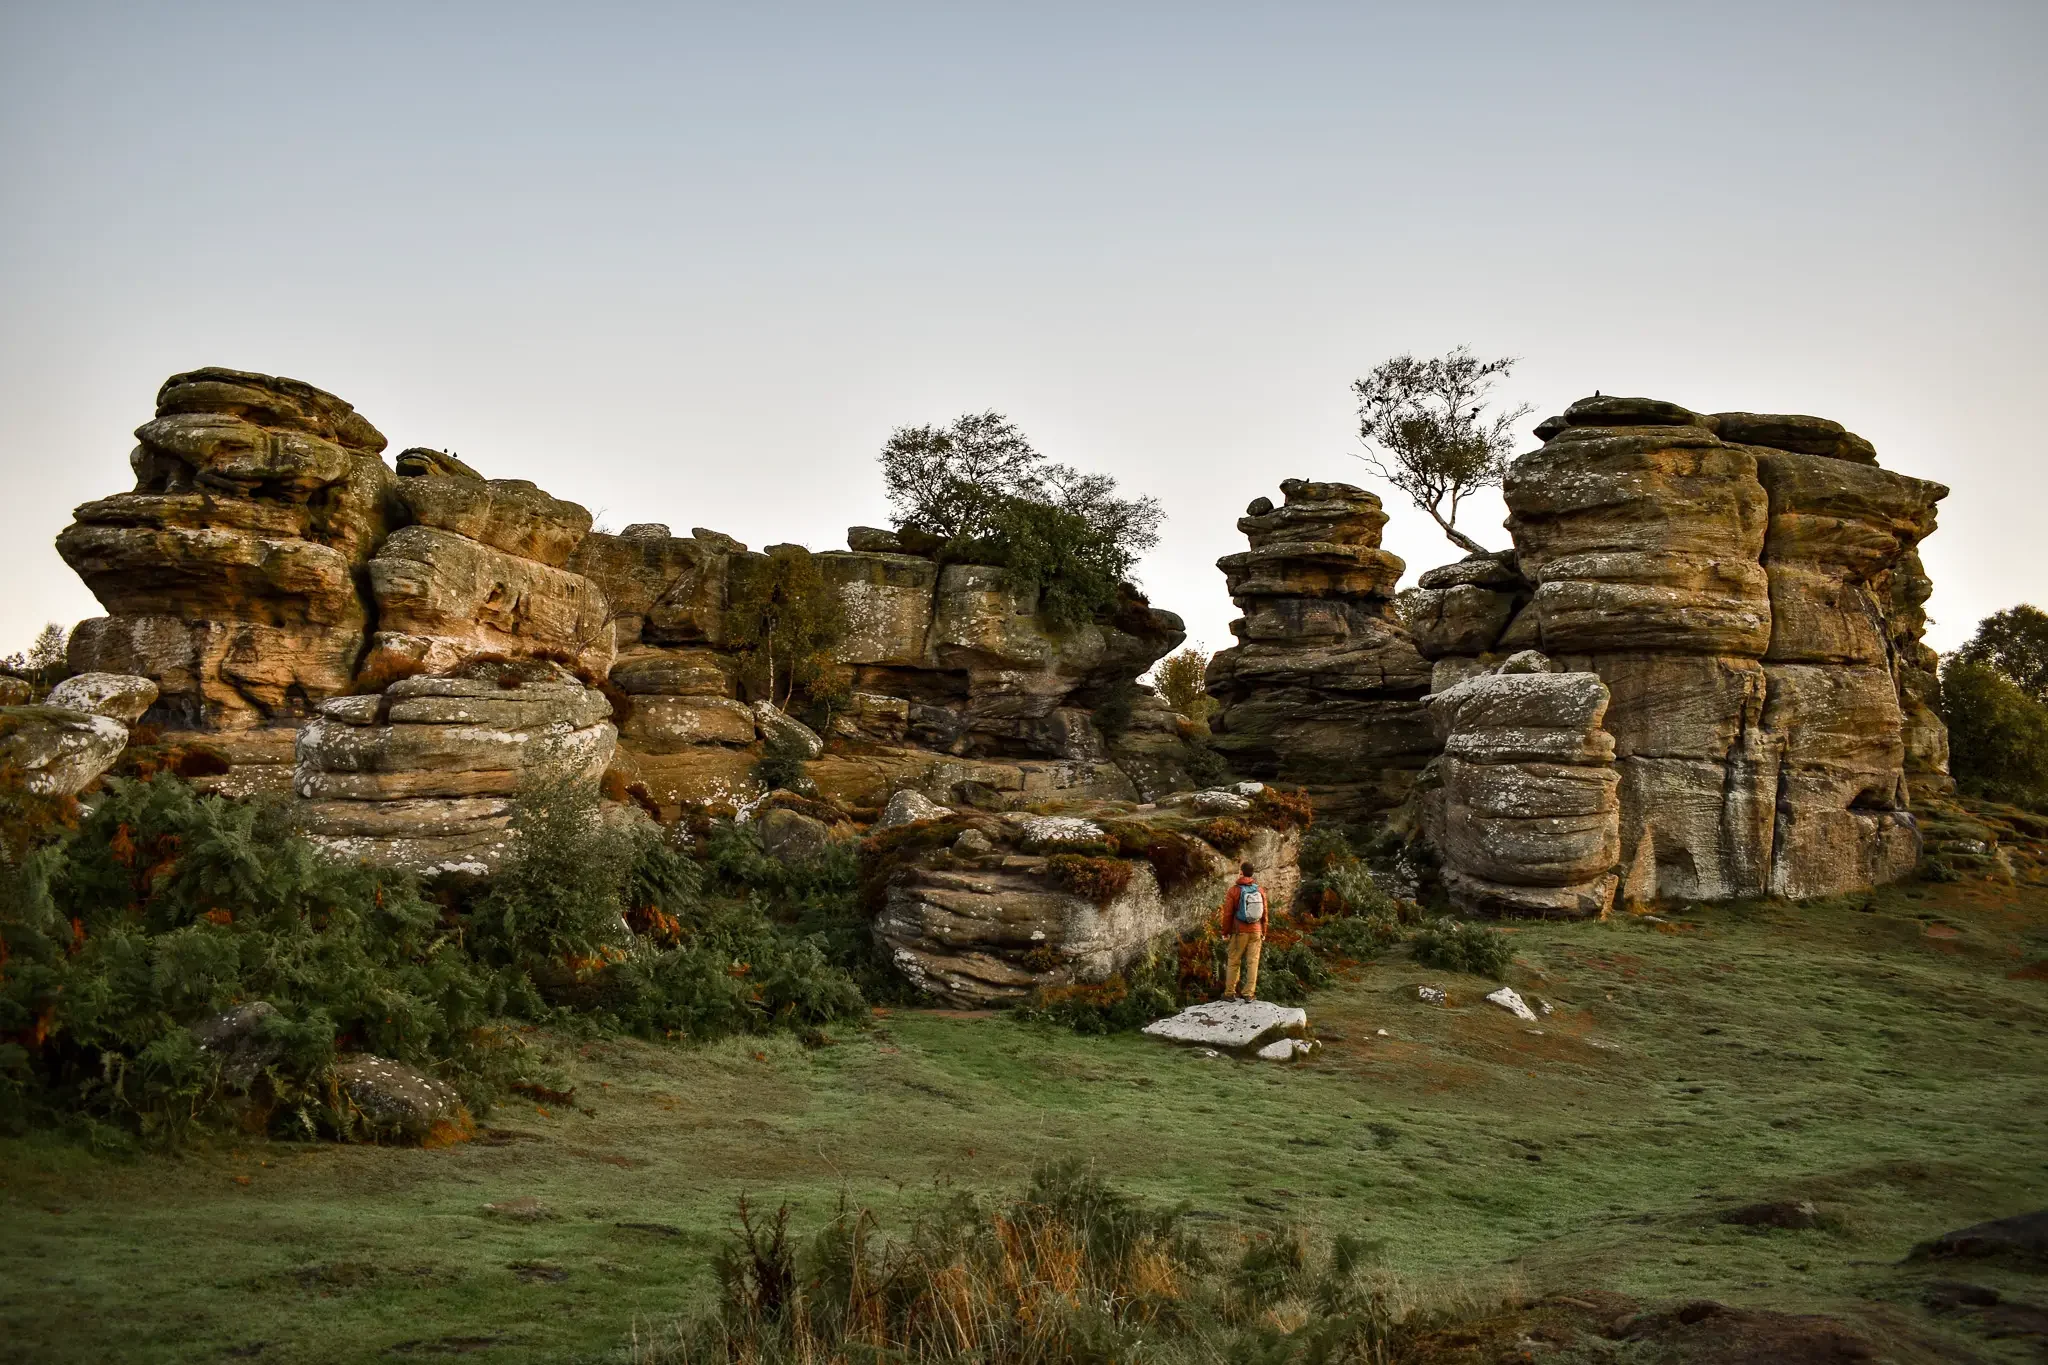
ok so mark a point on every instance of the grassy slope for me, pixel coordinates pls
(1838, 1051)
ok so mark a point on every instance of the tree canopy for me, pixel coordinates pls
(2015, 642)
(979, 486)
(1426, 426)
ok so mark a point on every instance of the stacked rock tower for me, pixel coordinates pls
(1747, 588)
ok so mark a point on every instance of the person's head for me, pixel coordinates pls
(1245, 868)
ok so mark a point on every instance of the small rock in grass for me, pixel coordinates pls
(1429, 995)
(1285, 1050)
(1382, 1033)
(1507, 998)
(2023, 1238)
(395, 1100)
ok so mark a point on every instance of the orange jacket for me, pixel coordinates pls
(1231, 923)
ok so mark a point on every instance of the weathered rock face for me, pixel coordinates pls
(229, 571)
(269, 563)
(1527, 818)
(980, 910)
(58, 751)
(1324, 687)
(423, 774)
(1747, 589)
(479, 572)
(945, 660)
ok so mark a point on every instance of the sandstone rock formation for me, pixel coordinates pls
(1747, 588)
(479, 571)
(952, 681)
(423, 774)
(229, 572)
(1527, 818)
(1324, 687)
(981, 910)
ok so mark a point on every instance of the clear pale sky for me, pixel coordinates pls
(691, 263)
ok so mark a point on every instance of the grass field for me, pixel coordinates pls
(1885, 1056)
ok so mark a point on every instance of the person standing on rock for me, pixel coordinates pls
(1244, 924)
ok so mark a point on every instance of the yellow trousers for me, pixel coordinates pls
(1244, 953)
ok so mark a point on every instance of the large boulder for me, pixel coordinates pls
(423, 775)
(983, 910)
(56, 751)
(121, 696)
(229, 572)
(1527, 818)
(443, 599)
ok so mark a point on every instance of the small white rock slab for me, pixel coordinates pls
(1508, 1000)
(1429, 995)
(1285, 1050)
(1232, 1025)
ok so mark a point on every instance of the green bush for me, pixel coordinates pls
(781, 620)
(781, 765)
(1458, 947)
(165, 907)
(1997, 734)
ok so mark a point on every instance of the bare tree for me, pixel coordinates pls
(1425, 424)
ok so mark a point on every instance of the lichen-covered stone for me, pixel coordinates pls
(57, 751)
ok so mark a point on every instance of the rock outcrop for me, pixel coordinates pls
(1324, 687)
(1526, 815)
(479, 571)
(1747, 588)
(270, 571)
(951, 679)
(422, 775)
(229, 571)
(982, 910)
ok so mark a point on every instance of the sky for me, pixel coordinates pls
(692, 263)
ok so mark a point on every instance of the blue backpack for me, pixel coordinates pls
(1251, 903)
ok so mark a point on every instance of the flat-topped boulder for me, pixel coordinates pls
(1241, 1026)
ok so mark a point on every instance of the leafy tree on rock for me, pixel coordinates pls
(782, 619)
(981, 488)
(1425, 422)
(1179, 678)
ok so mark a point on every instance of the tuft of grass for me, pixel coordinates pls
(1459, 947)
(1068, 1270)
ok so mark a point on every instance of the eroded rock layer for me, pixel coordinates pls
(269, 571)
(229, 571)
(424, 773)
(1747, 588)
(1324, 687)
